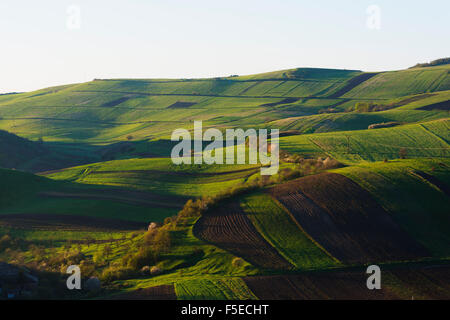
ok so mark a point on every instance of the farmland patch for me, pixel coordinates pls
(352, 83)
(425, 282)
(163, 292)
(228, 227)
(345, 220)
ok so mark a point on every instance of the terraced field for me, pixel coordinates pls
(412, 109)
(425, 140)
(110, 110)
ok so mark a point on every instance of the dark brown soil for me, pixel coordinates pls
(345, 220)
(404, 283)
(229, 228)
(324, 286)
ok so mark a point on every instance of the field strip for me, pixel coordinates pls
(353, 83)
(222, 289)
(219, 96)
(228, 227)
(135, 201)
(435, 135)
(62, 222)
(96, 122)
(224, 80)
(162, 292)
(303, 230)
(280, 229)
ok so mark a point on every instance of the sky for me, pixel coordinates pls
(46, 43)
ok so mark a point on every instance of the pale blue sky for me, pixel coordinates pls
(204, 38)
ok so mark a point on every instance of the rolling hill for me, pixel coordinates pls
(100, 152)
(43, 201)
(115, 110)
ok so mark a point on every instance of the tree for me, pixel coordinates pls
(403, 153)
(107, 250)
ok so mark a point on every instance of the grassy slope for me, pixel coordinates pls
(396, 84)
(19, 194)
(213, 289)
(22, 154)
(420, 208)
(408, 112)
(159, 175)
(111, 110)
(421, 140)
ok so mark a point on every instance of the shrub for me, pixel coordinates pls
(154, 271)
(403, 153)
(144, 257)
(329, 163)
(145, 270)
(383, 125)
(162, 241)
(116, 273)
(107, 250)
(5, 242)
(237, 262)
(437, 62)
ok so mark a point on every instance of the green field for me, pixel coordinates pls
(160, 176)
(221, 289)
(84, 169)
(425, 140)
